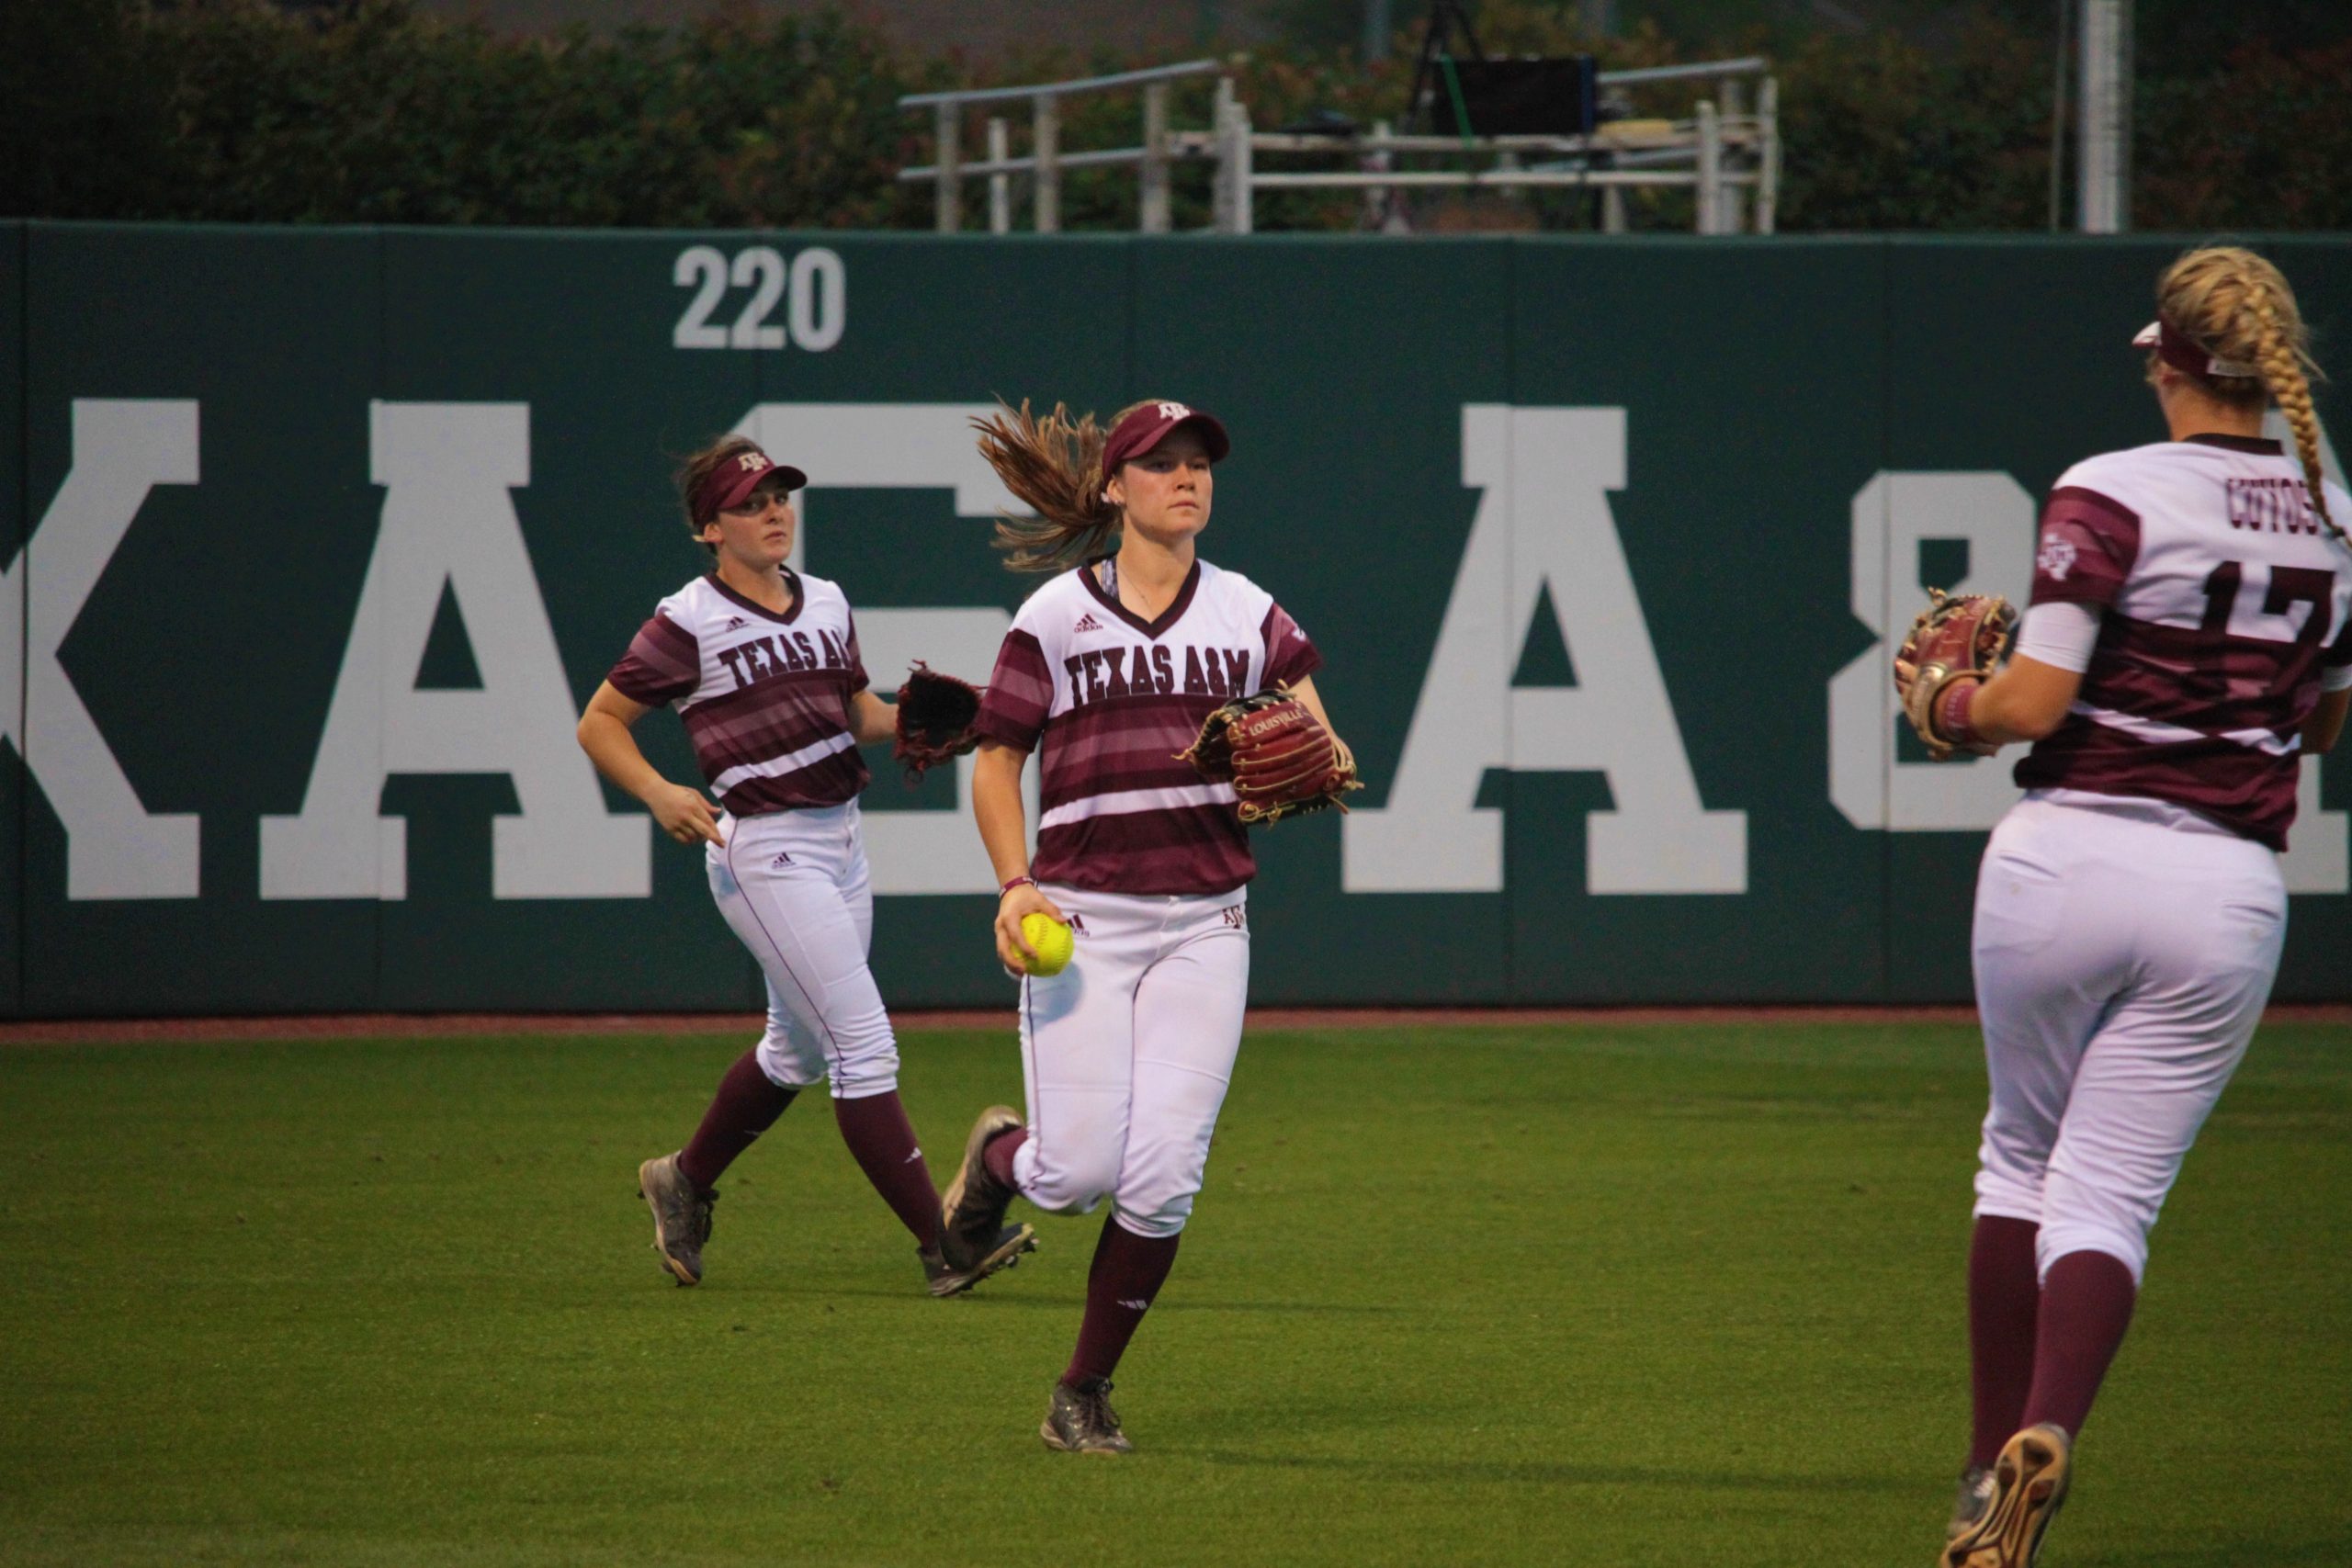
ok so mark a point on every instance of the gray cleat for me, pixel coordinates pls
(681, 1215)
(1080, 1420)
(971, 1215)
(2030, 1482)
(946, 1279)
(1968, 1505)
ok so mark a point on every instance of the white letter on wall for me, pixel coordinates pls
(1894, 515)
(448, 520)
(909, 446)
(1544, 521)
(114, 848)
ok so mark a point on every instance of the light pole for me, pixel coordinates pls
(2103, 159)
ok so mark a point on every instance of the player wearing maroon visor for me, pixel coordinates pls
(762, 662)
(2185, 648)
(1106, 676)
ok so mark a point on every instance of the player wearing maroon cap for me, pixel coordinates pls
(1106, 675)
(2186, 647)
(762, 662)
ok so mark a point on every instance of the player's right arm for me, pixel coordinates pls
(2023, 700)
(1004, 834)
(2089, 545)
(686, 815)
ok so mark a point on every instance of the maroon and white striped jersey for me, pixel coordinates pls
(765, 698)
(2223, 598)
(1107, 700)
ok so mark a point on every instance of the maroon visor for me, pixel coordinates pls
(1151, 425)
(738, 477)
(2182, 353)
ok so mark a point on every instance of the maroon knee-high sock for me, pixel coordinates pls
(747, 1104)
(998, 1152)
(877, 1130)
(1127, 1272)
(2086, 1300)
(2003, 1299)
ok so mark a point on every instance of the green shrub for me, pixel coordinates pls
(368, 112)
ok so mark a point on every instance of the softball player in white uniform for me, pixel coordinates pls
(1106, 675)
(762, 662)
(2185, 647)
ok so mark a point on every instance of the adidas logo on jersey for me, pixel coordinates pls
(1077, 925)
(1086, 623)
(736, 623)
(780, 862)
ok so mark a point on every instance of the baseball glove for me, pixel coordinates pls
(934, 720)
(1954, 640)
(1278, 756)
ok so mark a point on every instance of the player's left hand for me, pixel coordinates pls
(1276, 754)
(933, 719)
(1955, 640)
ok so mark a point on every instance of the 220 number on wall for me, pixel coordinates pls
(810, 296)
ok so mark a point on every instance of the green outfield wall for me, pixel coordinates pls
(316, 539)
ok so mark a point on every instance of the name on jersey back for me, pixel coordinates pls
(2272, 506)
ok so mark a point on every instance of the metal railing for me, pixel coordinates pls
(1727, 154)
(1047, 160)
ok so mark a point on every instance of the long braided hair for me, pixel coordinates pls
(2237, 306)
(1054, 466)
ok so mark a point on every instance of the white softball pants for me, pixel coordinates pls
(794, 887)
(2122, 961)
(1127, 1053)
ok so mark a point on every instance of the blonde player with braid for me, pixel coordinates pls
(2185, 647)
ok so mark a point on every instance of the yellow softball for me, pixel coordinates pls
(1052, 941)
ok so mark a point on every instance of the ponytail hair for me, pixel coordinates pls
(1054, 466)
(2238, 307)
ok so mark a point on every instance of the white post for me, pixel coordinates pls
(1731, 203)
(1612, 209)
(1244, 193)
(1221, 192)
(947, 197)
(1711, 168)
(1000, 182)
(1375, 197)
(1044, 139)
(1152, 214)
(1768, 168)
(2104, 163)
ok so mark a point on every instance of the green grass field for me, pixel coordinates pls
(1588, 1295)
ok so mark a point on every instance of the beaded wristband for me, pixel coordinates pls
(1952, 714)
